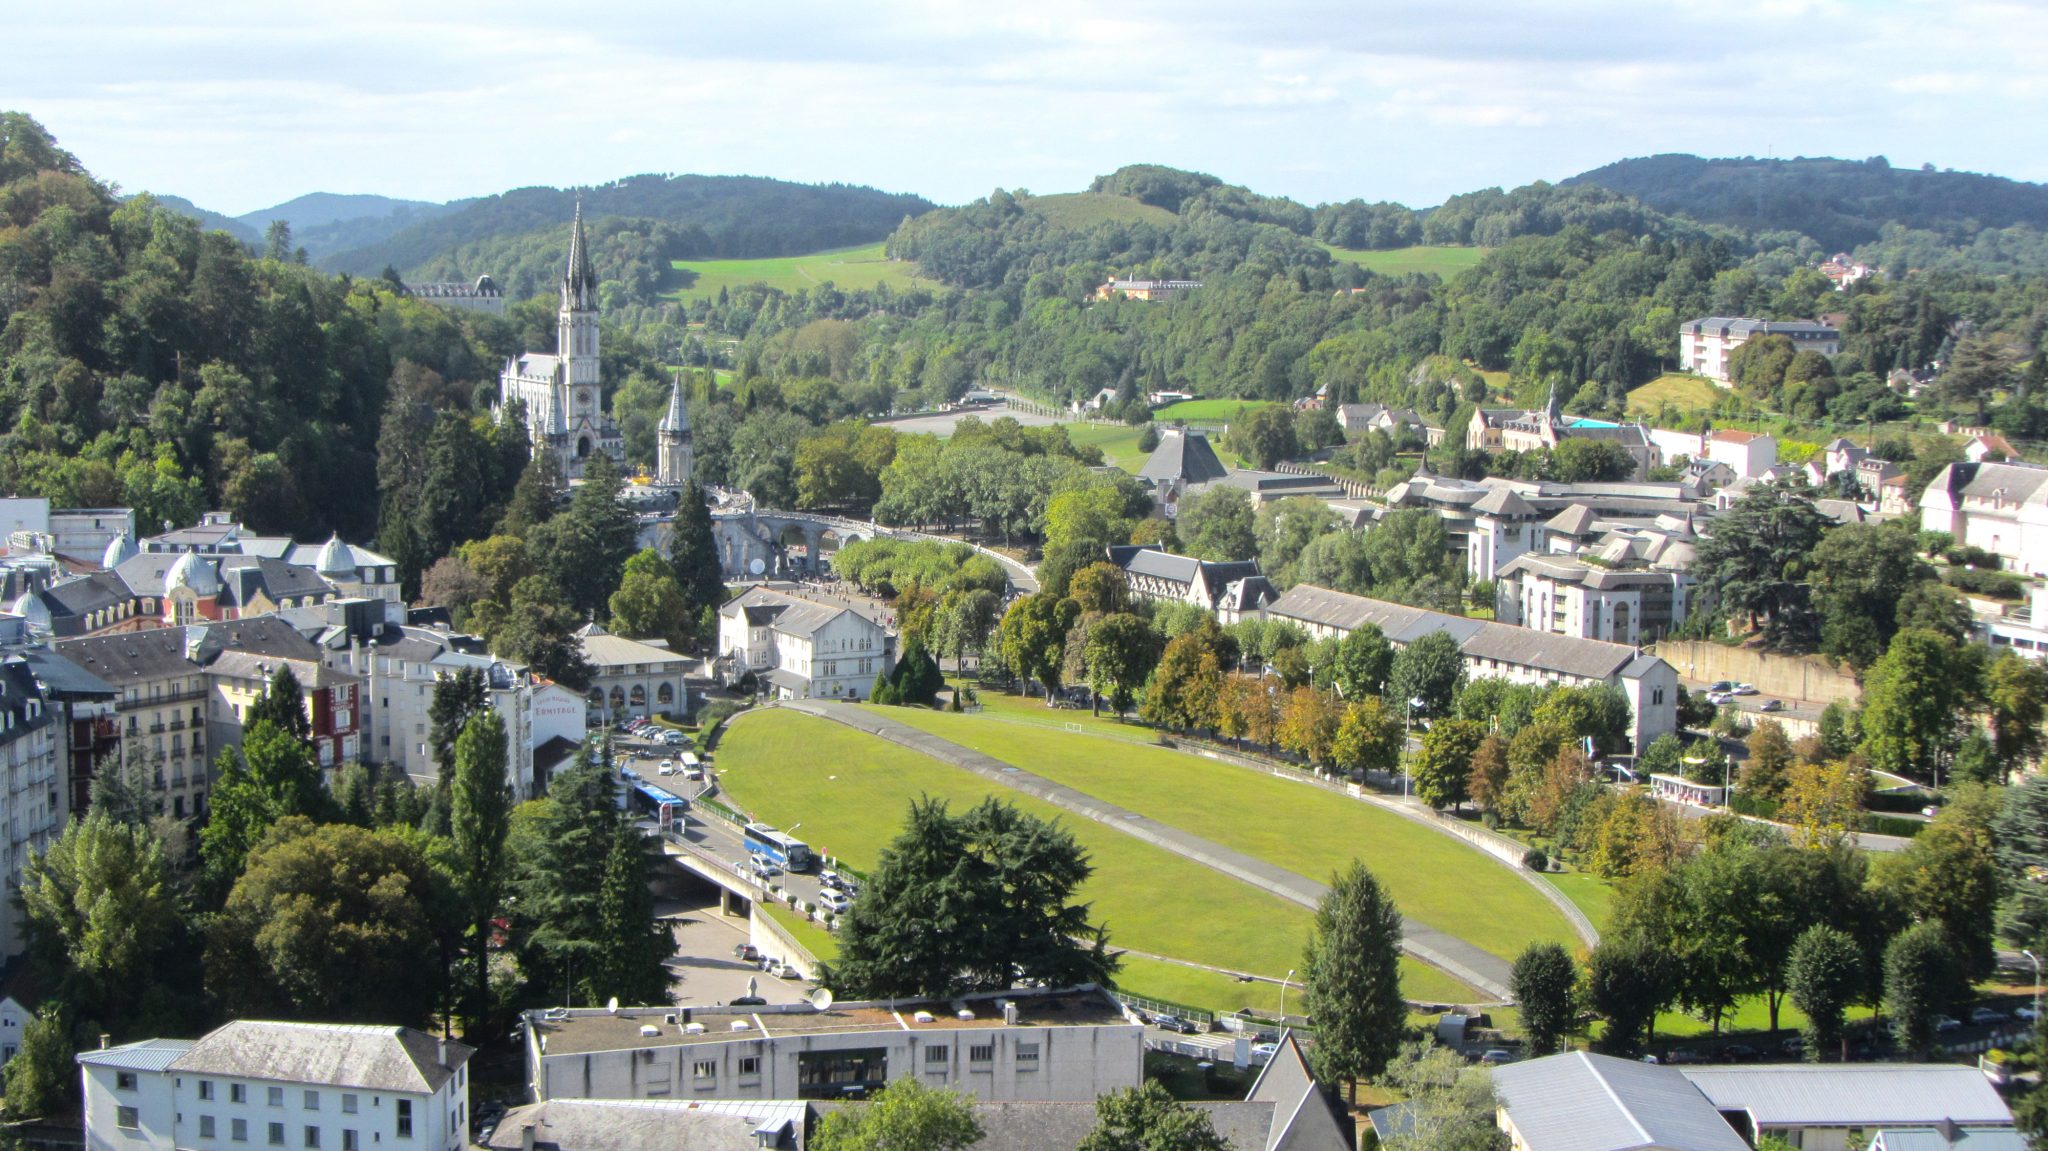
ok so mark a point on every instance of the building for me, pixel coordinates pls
(561, 394)
(675, 460)
(480, 295)
(1831, 1106)
(1183, 460)
(1678, 789)
(1843, 269)
(1750, 454)
(333, 701)
(76, 533)
(1360, 420)
(1501, 651)
(2000, 507)
(630, 679)
(1070, 1045)
(351, 570)
(1708, 345)
(802, 646)
(1566, 595)
(1586, 1102)
(1948, 1137)
(1493, 520)
(1517, 430)
(1230, 590)
(1145, 289)
(84, 704)
(33, 736)
(316, 1086)
(1988, 446)
(1270, 487)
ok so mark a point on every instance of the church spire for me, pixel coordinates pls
(678, 418)
(579, 282)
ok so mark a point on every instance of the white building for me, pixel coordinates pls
(630, 679)
(306, 1086)
(2000, 507)
(804, 647)
(33, 743)
(1707, 345)
(1564, 595)
(1229, 589)
(564, 404)
(1071, 1045)
(1501, 651)
(675, 458)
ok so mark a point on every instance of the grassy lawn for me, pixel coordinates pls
(1206, 411)
(1307, 830)
(862, 267)
(1442, 261)
(1087, 209)
(1119, 443)
(1592, 894)
(850, 791)
(816, 940)
(1684, 392)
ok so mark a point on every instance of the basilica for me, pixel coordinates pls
(564, 402)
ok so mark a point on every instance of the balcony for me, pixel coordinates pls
(156, 728)
(177, 725)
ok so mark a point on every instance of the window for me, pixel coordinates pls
(124, 1080)
(238, 1130)
(704, 1069)
(750, 1065)
(206, 1126)
(238, 1093)
(312, 1136)
(276, 1097)
(940, 1054)
(206, 1089)
(982, 1053)
(348, 1104)
(405, 1118)
(277, 1134)
(1027, 1057)
(126, 1119)
(348, 1139)
(312, 1101)
(1656, 695)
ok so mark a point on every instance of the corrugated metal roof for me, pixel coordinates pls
(1934, 1139)
(1854, 1094)
(1587, 1102)
(148, 1055)
(1477, 639)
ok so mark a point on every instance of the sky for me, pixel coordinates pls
(241, 106)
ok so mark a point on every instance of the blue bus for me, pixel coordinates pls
(667, 809)
(787, 851)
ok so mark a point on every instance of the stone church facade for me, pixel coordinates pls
(564, 401)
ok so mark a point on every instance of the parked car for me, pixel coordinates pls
(834, 900)
(674, 738)
(1984, 1016)
(831, 879)
(668, 767)
(748, 1001)
(763, 866)
(1173, 1023)
(1724, 686)
(785, 970)
(1772, 705)
(1266, 1049)
(1719, 697)
(1684, 1055)
(1739, 1053)
(2024, 1014)
(1943, 1024)
(1794, 1045)
(1743, 689)
(1497, 1056)
(748, 952)
(694, 774)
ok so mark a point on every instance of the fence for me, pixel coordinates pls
(1150, 1007)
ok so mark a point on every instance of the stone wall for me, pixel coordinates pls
(1805, 678)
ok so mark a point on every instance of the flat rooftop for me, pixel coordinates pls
(578, 1031)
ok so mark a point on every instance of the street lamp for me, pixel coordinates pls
(2037, 984)
(1407, 721)
(1283, 996)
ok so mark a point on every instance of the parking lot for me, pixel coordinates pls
(707, 966)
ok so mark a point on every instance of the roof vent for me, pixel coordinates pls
(693, 1029)
(963, 1015)
(923, 1017)
(669, 1018)
(649, 1031)
(741, 1025)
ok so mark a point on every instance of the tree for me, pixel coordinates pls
(1219, 524)
(1824, 802)
(1451, 1104)
(650, 604)
(330, 923)
(283, 704)
(2016, 689)
(1921, 979)
(1266, 436)
(481, 808)
(693, 553)
(904, 1116)
(1770, 757)
(1859, 573)
(1368, 737)
(1949, 874)
(1443, 767)
(1308, 724)
(1489, 780)
(976, 902)
(100, 913)
(1122, 649)
(457, 699)
(2020, 833)
(1186, 683)
(1428, 671)
(584, 548)
(1911, 698)
(1824, 976)
(1351, 979)
(633, 946)
(1545, 982)
(1034, 638)
(1148, 1118)
(1100, 589)
(1363, 661)
(1627, 983)
(538, 629)
(42, 1074)
(1286, 527)
(1753, 563)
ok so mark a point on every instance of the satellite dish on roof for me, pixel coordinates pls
(821, 999)
(612, 1005)
(755, 566)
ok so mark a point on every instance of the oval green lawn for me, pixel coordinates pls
(851, 790)
(1307, 830)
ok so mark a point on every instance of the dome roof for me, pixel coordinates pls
(337, 558)
(120, 550)
(192, 572)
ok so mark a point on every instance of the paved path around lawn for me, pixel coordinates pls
(1481, 969)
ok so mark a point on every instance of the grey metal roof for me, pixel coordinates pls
(63, 679)
(641, 1124)
(1939, 1139)
(130, 657)
(1477, 639)
(340, 1055)
(1586, 1102)
(1744, 326)
(1853, 1094)
(148, 1055)
(1182, 456)
(1503, 502)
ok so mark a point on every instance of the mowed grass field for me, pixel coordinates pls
(862, 267)
(1437, 260)
(1684, 392)
(851, 792)
(1119, 443)
(1207, 411)
(1305, 829)
(1078, 210)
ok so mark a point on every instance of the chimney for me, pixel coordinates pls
(442, 1052)
(105, 1039)
(526, 1137)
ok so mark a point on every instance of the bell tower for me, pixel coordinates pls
(576, 327)
(672, 441)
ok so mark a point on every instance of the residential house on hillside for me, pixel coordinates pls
(1156, 290)
(808, 646)
(317, 1086)
(1501, 651)
(2000, 507)
(1708, 345)
(1358, 420)
(1229, 589)
(1519, 430)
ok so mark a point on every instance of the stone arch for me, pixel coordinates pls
(582, 447)
(665, 695)
(618, 699)
(639, 697)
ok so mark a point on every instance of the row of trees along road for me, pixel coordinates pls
(350, 898)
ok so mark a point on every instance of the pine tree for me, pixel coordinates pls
(480, 816)
(283, 703)
(1545, 983)
(456, 699)
(694, 553)
(1351, 983)
(632, 945)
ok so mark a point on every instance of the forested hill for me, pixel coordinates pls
(1840, 203)
(730, 216)
(210, 220)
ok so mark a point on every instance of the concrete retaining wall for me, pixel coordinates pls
(1806, 678)
(768, 935)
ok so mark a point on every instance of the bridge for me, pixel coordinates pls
(754, 542)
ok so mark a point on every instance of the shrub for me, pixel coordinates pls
(1536, 860)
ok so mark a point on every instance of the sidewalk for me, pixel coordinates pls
(1489, 973)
